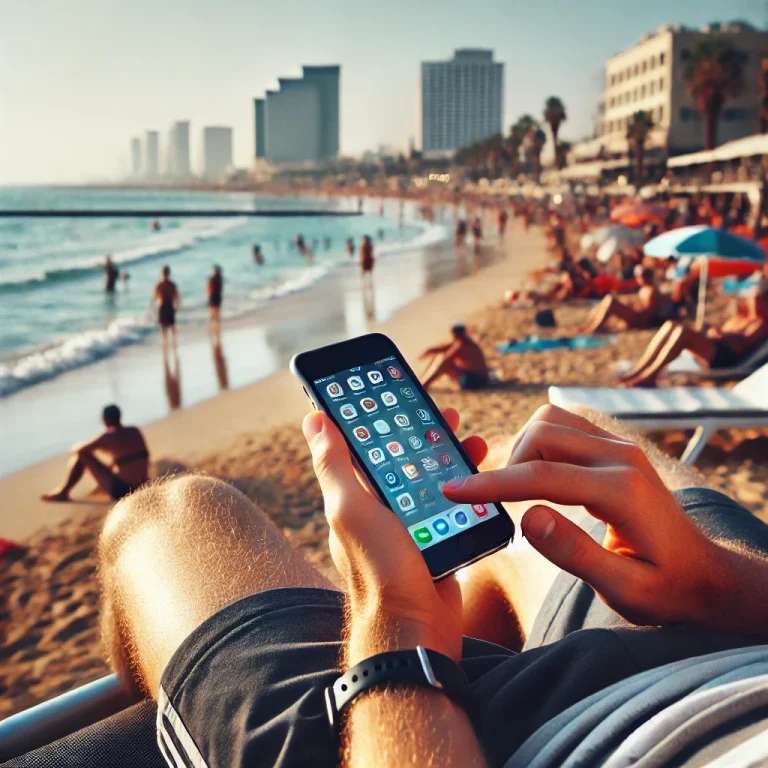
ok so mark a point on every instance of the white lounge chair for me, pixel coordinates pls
(705, 409)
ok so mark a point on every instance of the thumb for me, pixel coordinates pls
(333, 467)
(574, 550)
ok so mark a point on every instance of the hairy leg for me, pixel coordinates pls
(175, 553)
(657, 343)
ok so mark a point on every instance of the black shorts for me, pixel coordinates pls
(246, 687)
(166, 315)
(471, 380)
(724, 356)
(214, 301)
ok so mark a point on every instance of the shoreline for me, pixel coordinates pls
(212, 422)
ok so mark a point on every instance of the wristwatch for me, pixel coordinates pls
(420, 667)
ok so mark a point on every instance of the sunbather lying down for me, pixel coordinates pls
(211, 611)
(719, 347)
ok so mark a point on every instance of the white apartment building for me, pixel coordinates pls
(217, 150)
(461, 100)
(135, 157)
(178, 150)
(152, 154)
(649, 77)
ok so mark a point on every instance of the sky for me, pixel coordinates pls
(79, 78)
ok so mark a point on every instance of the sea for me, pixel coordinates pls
(55, 316)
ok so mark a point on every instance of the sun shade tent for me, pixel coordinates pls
(705, 409)
(722, 252)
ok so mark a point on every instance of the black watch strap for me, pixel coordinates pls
(420, 667)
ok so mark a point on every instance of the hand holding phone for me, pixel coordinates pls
(404, 447)
(385, 574)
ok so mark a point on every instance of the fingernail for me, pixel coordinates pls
(312, 425)
(540, 524)
(455, 485)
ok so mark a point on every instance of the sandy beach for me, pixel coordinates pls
(251, 437)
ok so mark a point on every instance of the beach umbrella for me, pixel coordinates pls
(600, 235)
(643, 214)
(722, 253)
(607, 250)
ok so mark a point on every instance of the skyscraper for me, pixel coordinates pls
(299, 122)
(217, 149)
(135, 157)
(178, 150)
(152, 156)
(461, 100)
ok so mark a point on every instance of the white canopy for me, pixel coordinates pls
(747, 147)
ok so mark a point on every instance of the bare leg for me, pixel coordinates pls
(658, 342)
(175, 553)
(79, 463)
(612, 307)
(681, 338)
(444, 368)
(175, 338)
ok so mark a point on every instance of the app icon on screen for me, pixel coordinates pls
(407, 392)
(479, 510)
(394, 372)
(405, 502)
(388, 399)
(368, 404)
(461, 519)
(355, 383)
(433, 436)
(440, 526)
(348, 411)
(391, 479)
(424, 415)
(425, 495)
(381, 427)
(334, 389)
(376, 455)
(422, 535)
(410, 471)
(415, 442)
(395, 449)
(445, 458)
(361, 433)
(375, 377)
(402, 420)
(430, 464)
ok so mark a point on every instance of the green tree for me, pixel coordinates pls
(713, 74)
(554, 114)
(638, 129)
(561, 153)
(535, 140)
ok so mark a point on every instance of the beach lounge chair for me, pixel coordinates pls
(705, 409)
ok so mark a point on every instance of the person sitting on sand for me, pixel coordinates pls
(127, 449)
(643, 313)
(722, 346)
(461, 359)
(166, 296)
(213, 613)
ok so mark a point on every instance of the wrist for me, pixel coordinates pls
(373, 632)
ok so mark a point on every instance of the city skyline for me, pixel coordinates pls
(96, 77)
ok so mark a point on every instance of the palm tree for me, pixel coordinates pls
(637, 132)
(561, 153)
(554, 114)
(713, 74)
(535, 141)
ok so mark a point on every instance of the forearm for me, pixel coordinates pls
(403, 725)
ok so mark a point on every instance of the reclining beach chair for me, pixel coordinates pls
(687, 363)
(705, 409)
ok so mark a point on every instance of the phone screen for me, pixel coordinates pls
(404, 447)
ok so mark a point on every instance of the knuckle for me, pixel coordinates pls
(632, 481)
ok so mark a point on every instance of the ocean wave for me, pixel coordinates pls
(78, 350)
(181, 241)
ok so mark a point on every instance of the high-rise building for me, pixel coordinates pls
(152, 154)
(461, 100)
(299, 122)
(648, 77)
(135, 157)
(178, 150)
(217, 149)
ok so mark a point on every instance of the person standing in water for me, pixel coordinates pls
(350, 247)
(367, 261)
(112, 273)
(258, 256)
(215, 296)
(166, 296)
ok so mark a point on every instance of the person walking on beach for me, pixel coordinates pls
(166, 296)
(461, 233)
(477, 234)
(501, 221)
(367, 261)
(461, 359)
(215, 296)
(111, 273)
(126, 448)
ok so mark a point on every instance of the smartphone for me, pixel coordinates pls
(403, 445)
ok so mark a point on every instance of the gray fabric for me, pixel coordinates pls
(750, 754)
(671, 731)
